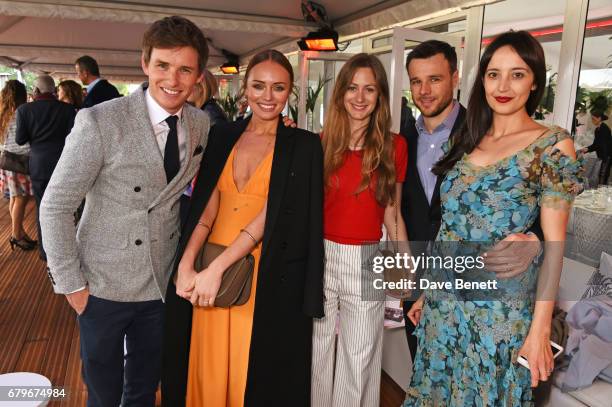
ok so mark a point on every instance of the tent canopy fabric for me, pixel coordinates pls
(48, 36)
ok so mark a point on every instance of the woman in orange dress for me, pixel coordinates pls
(267, 201)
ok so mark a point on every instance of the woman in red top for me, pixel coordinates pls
(364, 167)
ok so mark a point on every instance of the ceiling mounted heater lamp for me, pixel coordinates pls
(230, 68)
(324, 40)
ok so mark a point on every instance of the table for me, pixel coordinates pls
(591, 165)
(23, 379)
(590, 226)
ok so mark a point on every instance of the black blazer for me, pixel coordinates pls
(101, 92)
(290, 277)
(422, 219)
(45, 124)
(602, 143)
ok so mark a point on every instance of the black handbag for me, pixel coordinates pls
(15, 162)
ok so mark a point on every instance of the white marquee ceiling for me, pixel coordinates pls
(47, 36)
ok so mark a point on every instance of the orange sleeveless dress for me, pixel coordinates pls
(221, 337)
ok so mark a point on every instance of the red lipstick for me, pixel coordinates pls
(503, 99)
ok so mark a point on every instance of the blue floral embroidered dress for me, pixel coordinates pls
(467, 348)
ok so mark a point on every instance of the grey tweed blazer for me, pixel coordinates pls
(128, 235)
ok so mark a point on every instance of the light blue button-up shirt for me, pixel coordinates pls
(429, 148)
(91, 85)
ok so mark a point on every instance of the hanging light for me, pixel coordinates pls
(231, 67)
(322, 40)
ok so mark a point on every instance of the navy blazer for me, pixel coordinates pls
(101, 92)
(422, 218)
(45, 124)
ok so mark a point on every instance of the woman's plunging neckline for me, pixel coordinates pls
(259, 166)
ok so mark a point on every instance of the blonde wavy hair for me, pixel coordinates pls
(378, 148)
(12, 96)
(203, 91)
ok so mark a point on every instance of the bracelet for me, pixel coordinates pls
(249, 235)
(204, 225)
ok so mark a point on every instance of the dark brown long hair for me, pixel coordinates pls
(378, 148)
(13, 95)
(479, 114)
(74, 92)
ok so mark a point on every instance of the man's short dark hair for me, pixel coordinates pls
(87, 63)
(172, 32)
(430, 48)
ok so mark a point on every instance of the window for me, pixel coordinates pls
(544, 20)
(595, 83)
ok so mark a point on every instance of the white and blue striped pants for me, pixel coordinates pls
(348, 376)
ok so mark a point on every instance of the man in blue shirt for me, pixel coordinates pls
(98, 90)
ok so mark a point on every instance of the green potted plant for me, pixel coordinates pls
(548, 98)
(311, 100)
(600, 100)
(229, 104)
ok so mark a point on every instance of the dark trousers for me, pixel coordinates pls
(604, 171)
(113, 378)
(38, 188)
(409, 327)
(184, 206)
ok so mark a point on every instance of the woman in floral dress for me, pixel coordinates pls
(502, 170)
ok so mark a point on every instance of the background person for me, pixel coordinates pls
(44, 124)
(407, 120)
(602, 145)
(70, 92)
(15, 186)
(98, 90)
(364, 166)
(500, 172)
(203, 96)
(259, 191)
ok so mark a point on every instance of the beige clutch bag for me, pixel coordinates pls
(237, 280)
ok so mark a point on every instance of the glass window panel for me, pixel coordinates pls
(595, 83)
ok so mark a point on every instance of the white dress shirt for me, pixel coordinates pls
(158, 116)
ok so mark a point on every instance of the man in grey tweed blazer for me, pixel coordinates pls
(131, 158)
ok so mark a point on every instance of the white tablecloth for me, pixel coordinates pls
(590, 227)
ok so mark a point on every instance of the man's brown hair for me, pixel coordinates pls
(173, 32)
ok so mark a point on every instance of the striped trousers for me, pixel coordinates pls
(347, 375)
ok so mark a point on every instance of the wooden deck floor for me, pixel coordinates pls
(38, 330)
